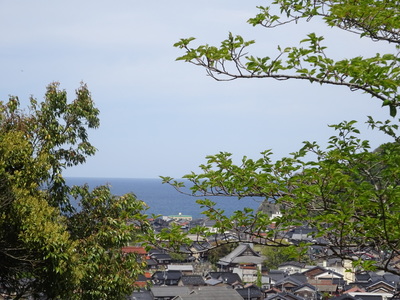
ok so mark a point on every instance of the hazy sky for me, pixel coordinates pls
(159, 116)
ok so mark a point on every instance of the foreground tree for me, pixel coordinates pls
(48, 247)
(377, 76)
(347, 193)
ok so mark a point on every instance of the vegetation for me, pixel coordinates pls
(377, 76)
(274, 256)
(215, 254)
(347, 193)
(49, 247)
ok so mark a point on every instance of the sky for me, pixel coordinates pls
(160, 116)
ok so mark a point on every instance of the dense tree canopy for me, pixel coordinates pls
(347, 193)
(48, 247)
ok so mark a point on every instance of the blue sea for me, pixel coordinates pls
(163, 199)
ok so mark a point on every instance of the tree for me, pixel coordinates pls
(216, 253)
(103, 226)
(274, 256)
(347, 193)
(377, 76)
(48, 248)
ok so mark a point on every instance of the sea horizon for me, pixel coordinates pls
(163, 199)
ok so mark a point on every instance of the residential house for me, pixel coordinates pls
(301, 233)
(381, 286)
(192, 281)
(244, 261)
(305, 291)
(276, 275)
(140, 295)
(314, 271)
(227, 278)
(138, 250)
(143, 280)
(251, 292)
(283, 296)
(287, 284)
(166, 277)
(211, 292)
(292, 267)
(168, 292)
(161, 257)
(185, 269)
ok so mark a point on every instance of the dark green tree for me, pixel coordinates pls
(47, 247)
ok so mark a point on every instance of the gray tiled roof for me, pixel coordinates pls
(236, 256)
(169, 291)
(253, 292)
(212, 281)
(289, 279)
(215, 293)
(175, 275)
(276, 275)
(192, 280)
(225, 277)
(142, 295)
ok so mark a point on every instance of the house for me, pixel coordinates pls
(324, 285)
(140, 295)
(328, 275)
(191, 281)
(211, 292)
(370, 296)
(287, 284)
(224, 277)
(372, 282)
(344, 297)
(381, 286)
(166, 277)
(276, 275)
(143, 280)
(248, 272)
(138, 250)
(292, 267)
(210, 225)
(251, 292)
(186, 269)
(152, 264)
(283, 296)
(213, 282)
(168, 292)
(301, 233)
(241, 255)
(199, 249)
(305, 291)
(314, 271)
(160, 257)
(272, 291)
(353, 290)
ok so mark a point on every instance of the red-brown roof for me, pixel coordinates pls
(134, 249)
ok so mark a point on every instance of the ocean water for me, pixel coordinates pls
(163, 199)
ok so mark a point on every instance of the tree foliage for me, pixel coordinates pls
(378, 76)
(275, 256)
(347, 193)
(48, 247)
